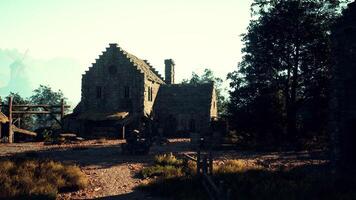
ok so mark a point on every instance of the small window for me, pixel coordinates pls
(112, 69)
(127, 92)
(99, 92)
(149, 96)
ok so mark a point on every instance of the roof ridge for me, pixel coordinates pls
(142, 66)
(153, 69)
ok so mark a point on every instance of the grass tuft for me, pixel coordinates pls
(34, 179)
(167, 159)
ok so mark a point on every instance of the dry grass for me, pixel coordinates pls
(235, 166)
(167, 159)
(33, 179)
(166, 165)
(247, 180)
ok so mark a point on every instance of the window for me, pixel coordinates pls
(149, 96)
(112, 69)
(151, 93)
(127, 92)
(99, 91)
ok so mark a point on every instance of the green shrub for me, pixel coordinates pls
(33, 179)
(167, 171)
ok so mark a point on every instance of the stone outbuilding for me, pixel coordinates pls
(121, 92)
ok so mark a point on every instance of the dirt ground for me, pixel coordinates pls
(114, 176)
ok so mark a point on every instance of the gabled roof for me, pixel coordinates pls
(3, 118)
(187, 98)
(142, 65)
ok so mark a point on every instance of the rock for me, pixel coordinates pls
(79, 138)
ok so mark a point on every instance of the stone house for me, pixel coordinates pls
(121, 91)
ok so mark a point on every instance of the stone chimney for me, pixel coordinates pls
(169, 71)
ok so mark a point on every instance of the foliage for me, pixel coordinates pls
(34, 179)
(166, 165)
(167, 171)
(280, 91)
(343, 98)
(235, 166)
(45, 95)
(167, 159)
(27, 121)
(208, 76)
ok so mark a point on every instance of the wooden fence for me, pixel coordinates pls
(204, 163)
(25, 109)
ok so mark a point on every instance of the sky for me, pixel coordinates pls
(57, 40)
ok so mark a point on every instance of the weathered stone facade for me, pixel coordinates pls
(119, 90)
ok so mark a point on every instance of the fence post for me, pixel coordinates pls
(11, 132)
(210, 163)
(198, 162)
(0, 122)
(62, 109)
(205, 165)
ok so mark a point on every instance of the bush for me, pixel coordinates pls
(166, 166)
(167, 159)
(235, 166)
(167, 171)
(33, 179)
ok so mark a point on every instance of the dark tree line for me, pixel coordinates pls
(279, 94)
(343, 92)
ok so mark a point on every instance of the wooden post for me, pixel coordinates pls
(11, 132)
(0, 122)
(123, 131)
(210, 163)
(198, 163)
(205, 165)
(62, 109)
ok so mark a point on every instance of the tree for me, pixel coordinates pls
(281, 83)
(208, 76)
(45, 95)
(343, 99)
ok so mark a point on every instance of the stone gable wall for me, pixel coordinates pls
(114, 74)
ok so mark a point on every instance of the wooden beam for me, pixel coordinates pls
(54, 117)
(62, 109)
(11, 133)
(39, 106)
(23, 131)
(34, 112)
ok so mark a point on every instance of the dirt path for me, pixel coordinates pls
(113, 175)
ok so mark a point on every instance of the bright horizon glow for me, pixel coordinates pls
(196, 35)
